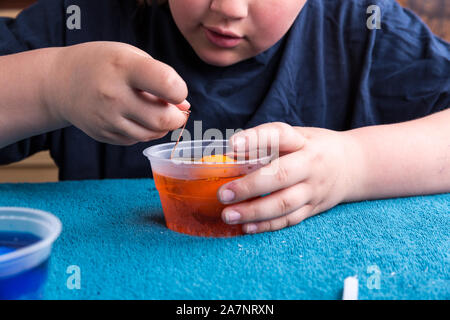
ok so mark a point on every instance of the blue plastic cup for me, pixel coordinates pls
(26, 239)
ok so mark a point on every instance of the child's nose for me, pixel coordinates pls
(231, 9)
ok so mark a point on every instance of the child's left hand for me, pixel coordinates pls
(315, 171)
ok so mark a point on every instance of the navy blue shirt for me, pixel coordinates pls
(328, 71)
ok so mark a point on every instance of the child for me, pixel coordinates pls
(362, 111)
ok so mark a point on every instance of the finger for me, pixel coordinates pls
(157, 78)
(279, 174)
(275, 136)
(281, 222)
(136, 132)
(115, 138)
(154, 114)
(277, 204)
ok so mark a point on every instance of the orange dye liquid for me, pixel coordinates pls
(192, 207)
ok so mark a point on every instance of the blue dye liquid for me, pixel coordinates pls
(29, 283)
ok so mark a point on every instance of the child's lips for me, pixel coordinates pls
(222, 38)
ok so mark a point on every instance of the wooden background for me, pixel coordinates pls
(41, 168)
(436, 13)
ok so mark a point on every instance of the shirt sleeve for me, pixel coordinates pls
(40, 26)
(409, 73)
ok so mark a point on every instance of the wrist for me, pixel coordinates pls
(355, 168)
(52, 91)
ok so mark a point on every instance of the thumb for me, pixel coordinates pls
(184, 106)
(157, 78)
(274, 136)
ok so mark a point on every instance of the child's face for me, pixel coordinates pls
(252, 26)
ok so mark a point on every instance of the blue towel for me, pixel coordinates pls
(114, 231)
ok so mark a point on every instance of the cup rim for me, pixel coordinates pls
(54, 223)
(147, 153)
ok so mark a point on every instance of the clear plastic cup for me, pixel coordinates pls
(188, 187)
(26, 238)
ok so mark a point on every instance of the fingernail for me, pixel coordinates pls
(251, 228)
(186, 103)
(239, 142)
(232, 216)
(227, 195)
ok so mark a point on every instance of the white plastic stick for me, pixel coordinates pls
(350, 289)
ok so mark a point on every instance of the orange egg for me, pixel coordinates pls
(217, 158)
(215, 167)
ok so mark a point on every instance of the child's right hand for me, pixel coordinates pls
(115, 93)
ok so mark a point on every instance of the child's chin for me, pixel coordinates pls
(220, 59)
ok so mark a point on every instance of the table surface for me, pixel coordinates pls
(114, 231)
